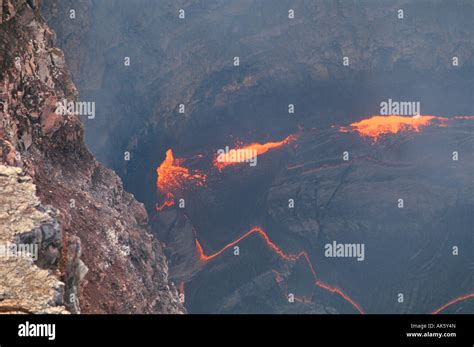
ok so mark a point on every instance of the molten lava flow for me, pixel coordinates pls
(279, 278)
(243, 153)
(376, 126)
(452, 302)
(168, 202)
(172, 177)
(287, 257)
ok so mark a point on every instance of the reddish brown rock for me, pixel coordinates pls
(107, 259)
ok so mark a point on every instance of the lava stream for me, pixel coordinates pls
(452, 302)
(244, 153)
(376, 126)
(173, 177)
(168, 202)
(287, 257)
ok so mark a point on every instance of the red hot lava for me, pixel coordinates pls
(287, 257)
(172, 177)
(377, 126)
(295, 257)
(454, 301)
(244, 153)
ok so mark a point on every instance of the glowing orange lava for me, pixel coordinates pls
(454, 301)
(172, 177)
(287, 257)
(243, 153)
(168, 202)
(294, 257)
(376, 126)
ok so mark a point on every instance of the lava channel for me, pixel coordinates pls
(453, 301)
(295, 257)
(243, 153)
(377, 126)
(287, 257)
(172, 177)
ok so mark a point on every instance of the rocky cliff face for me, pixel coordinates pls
(29, 281)
(96, 254)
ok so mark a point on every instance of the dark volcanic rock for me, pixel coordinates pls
(408, 250)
